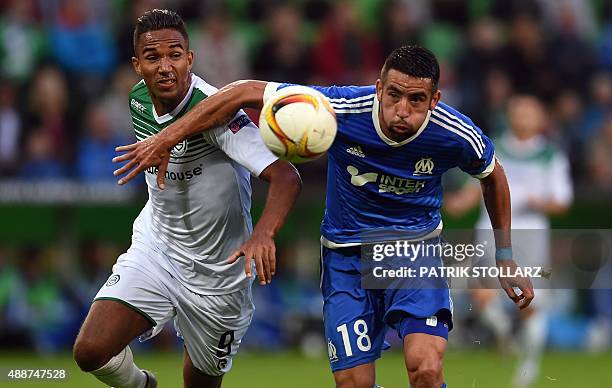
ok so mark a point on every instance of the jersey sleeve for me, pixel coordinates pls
(478, 153)
(337, 95)
(241, 141)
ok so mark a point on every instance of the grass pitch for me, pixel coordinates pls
(469, 369)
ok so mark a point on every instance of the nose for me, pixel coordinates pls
(403, 110)
(164, 65)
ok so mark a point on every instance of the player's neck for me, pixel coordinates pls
(163, 106)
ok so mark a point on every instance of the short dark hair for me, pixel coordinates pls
(159, 19)
(415, 61)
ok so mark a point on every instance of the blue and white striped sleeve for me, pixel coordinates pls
(477, 156)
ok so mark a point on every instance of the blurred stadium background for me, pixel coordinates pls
(65, 74)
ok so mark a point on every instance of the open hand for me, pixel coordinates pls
(153, 151)
(260, 248)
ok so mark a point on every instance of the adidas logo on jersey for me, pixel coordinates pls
(138, 106)
(357, 151)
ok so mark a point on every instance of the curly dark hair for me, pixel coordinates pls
(415, 61)
(159, 19)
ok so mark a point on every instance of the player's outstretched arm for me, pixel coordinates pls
(213, 112)
(496, 196)
(285, 185)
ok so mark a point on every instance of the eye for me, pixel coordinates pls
(151, 57)
(176, 55)
(417, 98)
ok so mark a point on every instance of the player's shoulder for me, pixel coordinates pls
(449, 114)
(200, 85)
(140, 99)
(351, 99)
(348, 93)
(454, 125)
(139, 90)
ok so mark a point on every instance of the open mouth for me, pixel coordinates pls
(166, 83)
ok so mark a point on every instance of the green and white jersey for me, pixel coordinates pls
(535, 169)
(203, 214)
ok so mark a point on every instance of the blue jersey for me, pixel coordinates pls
(376, 186)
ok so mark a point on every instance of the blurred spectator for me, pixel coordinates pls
(600, 157)
(22, 41)
(604, 40)
(455, 12)
(283, 56)
(448, 84)
(481, 55)
(115, 102)
(567, 113)
(598, 108)
(579, 13)
(498, 90)
(82, 44)
(48, 110)
(220, 56)
(399, 25)
(13, 317)
(124, 38)
(10, 128)
(572, 53)
(96, 149)
(507, 10)
(51, 318)
(528, 60)
(41, 162)
(344, 52)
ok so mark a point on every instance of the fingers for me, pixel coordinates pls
(259, 267)
(528, 296)
(125, 168)
(137, 170)
(264, 257)
(266, 266)
(512, 295)
(161, 174)
(272, 261)
(247, 260)
(234, 256)
(124, 148)
(124, 157)
(247, 266)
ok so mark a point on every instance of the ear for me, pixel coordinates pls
(379, 89)
(435, 98)
(136, 65)
(190, 59)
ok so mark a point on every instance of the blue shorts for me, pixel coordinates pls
(356, 319)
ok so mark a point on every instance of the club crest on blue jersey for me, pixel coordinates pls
(424, 166)
(331, 350)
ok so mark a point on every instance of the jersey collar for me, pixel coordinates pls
(384, 137)
(170, 115)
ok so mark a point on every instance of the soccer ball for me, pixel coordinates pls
(298, 124)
